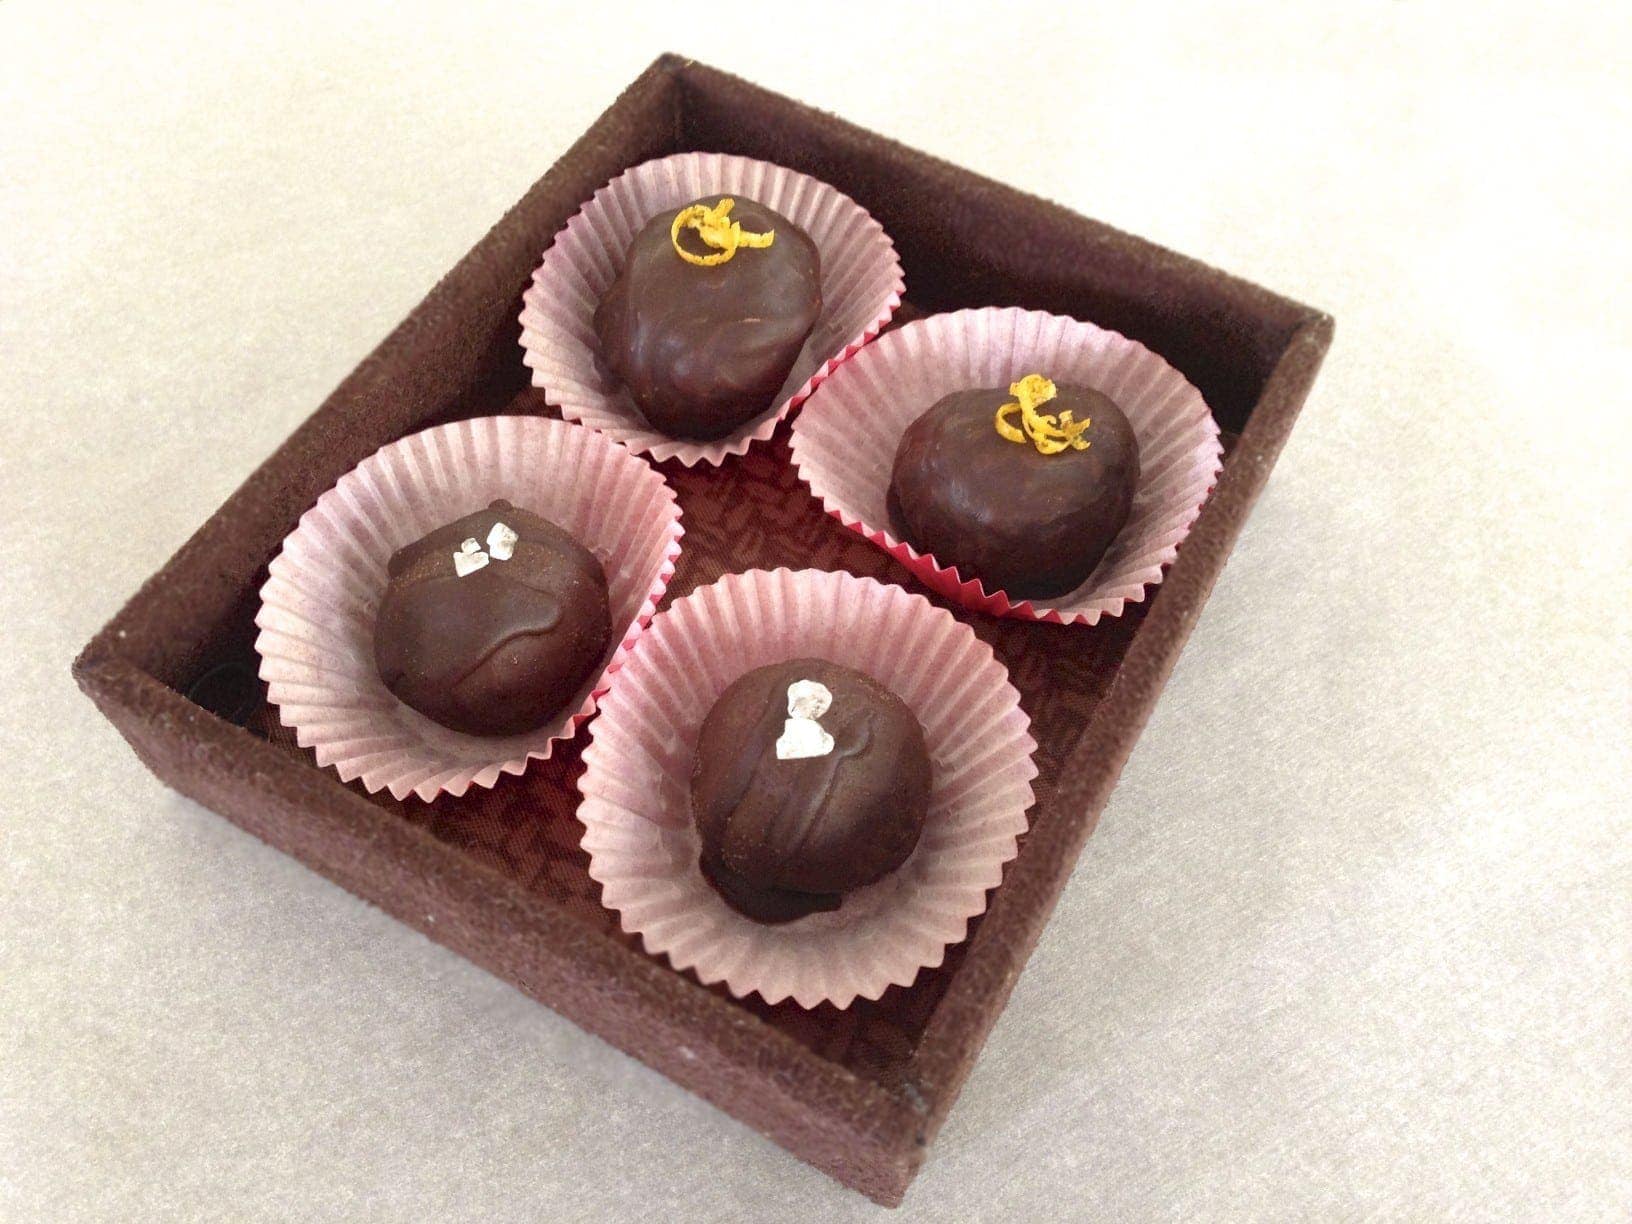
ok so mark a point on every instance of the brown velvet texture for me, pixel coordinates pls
(499, 876)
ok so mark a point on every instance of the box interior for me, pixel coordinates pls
(752, 512)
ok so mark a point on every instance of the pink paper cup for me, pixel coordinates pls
(861, 289)
(638, 831)
(317, 611)
(845, 439)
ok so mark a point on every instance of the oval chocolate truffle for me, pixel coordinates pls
(491, 624)
(1029, 523)
(811, 779)
(702, 349)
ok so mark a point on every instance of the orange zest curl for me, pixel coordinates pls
(1048, 433)
(715, 227)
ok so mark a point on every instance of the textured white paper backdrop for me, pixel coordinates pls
(1353, 938)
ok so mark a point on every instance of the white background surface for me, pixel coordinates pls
(1353, 939)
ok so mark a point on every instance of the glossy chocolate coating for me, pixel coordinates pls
(771, 906)
(500, 650)
(782, 839)
(703, 350)
(1029, 524)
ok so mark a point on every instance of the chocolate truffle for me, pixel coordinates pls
(811, 779)
(492, 624)
(702, 349)
(1028, 515)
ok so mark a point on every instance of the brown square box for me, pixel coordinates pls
(499, 876)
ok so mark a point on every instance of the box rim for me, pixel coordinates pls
(952, 1040)
(473, 890)
(1296, 315)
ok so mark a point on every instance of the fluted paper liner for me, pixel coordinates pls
(861, 289)
(318, 606)
(638, 830)
(845, 439)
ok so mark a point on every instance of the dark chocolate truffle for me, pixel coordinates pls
(1031, 524)
(492, 624)
(811, 779)
(704, 349)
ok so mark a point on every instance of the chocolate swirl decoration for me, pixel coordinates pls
(702, 341)
(1031, 514)
(786, 837)
(494, 640)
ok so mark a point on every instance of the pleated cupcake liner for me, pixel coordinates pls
(318, 605)
(638, 829)
(845, 439)
(861, 289)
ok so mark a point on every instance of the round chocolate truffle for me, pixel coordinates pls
(492, 624)
(702, 349)
(811, 779)
(1029, 523)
